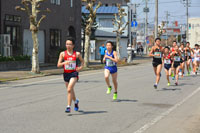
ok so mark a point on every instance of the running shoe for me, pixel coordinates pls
(176, 83)
(168, 84)
(172, 75)
(190, 69)
(180, 73)
(192, 73)
(109, 90)
(115, 96)
(68, 110)
(76, 107)
(160, 75)
(188, 74)
(155, 86)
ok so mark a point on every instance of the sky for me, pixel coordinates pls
(175, 8)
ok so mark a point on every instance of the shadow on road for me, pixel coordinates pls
(158, 105)
(89, 81)
(183, 84)
(125, 100)
(167, 89)
(81, 112)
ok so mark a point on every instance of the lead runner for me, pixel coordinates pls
(67, 60)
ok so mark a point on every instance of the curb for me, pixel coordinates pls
(60, 71)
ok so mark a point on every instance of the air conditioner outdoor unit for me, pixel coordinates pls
(5, 46)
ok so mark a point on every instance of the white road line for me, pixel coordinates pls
(158, 118)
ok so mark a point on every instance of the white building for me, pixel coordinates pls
(194, 31)
(104, 32)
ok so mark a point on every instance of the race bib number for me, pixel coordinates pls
(188, 53)
(167, 61)
(109, 62)
(177, 58)
(71, 65)
(156, 53)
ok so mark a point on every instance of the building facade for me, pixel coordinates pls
(104, 32)
(110, 2)
(113, 2)
(63, 20)
(194, 31)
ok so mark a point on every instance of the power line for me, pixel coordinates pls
(171, 2)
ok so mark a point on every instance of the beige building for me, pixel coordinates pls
(194, 31)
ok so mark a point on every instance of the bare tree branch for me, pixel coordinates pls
(20, 8)
(43, 17)
(99, 4)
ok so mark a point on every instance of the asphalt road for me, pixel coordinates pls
(37, 105)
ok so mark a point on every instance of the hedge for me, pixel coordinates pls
(15, 58)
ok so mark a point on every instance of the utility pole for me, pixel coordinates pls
(186, 4)
(131, 8)
(0, 18)
(134, 29)
(156, 19)
(187, 35)
(167, 14)
(130, 21)
(146, 10)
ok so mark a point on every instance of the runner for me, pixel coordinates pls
(192, 60)
(188, 57)
(67, 60)
(196, 54)
(156, 53)
(172, 68)
(167, 56)
(111, 60)
(182, 67)
(176, 58)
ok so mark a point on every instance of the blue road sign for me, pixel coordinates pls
(147, 41)
(134, 24)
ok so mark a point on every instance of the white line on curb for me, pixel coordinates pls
(45, 81)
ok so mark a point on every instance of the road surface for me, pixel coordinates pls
(37, 105)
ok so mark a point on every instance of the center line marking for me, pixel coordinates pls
(154, 121)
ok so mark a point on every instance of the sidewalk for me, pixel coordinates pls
(47, 70)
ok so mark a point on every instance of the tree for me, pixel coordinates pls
(160, 28)
(88, 30)
(83, 26)
(118, 22)
(32, 8)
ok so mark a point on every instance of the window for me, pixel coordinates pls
(12, 18)
(14, 32)
(192, 26)
(55, 2)
(105, 22)
(8, 17)
(55, 38)
(17, 19)
(189, 26)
